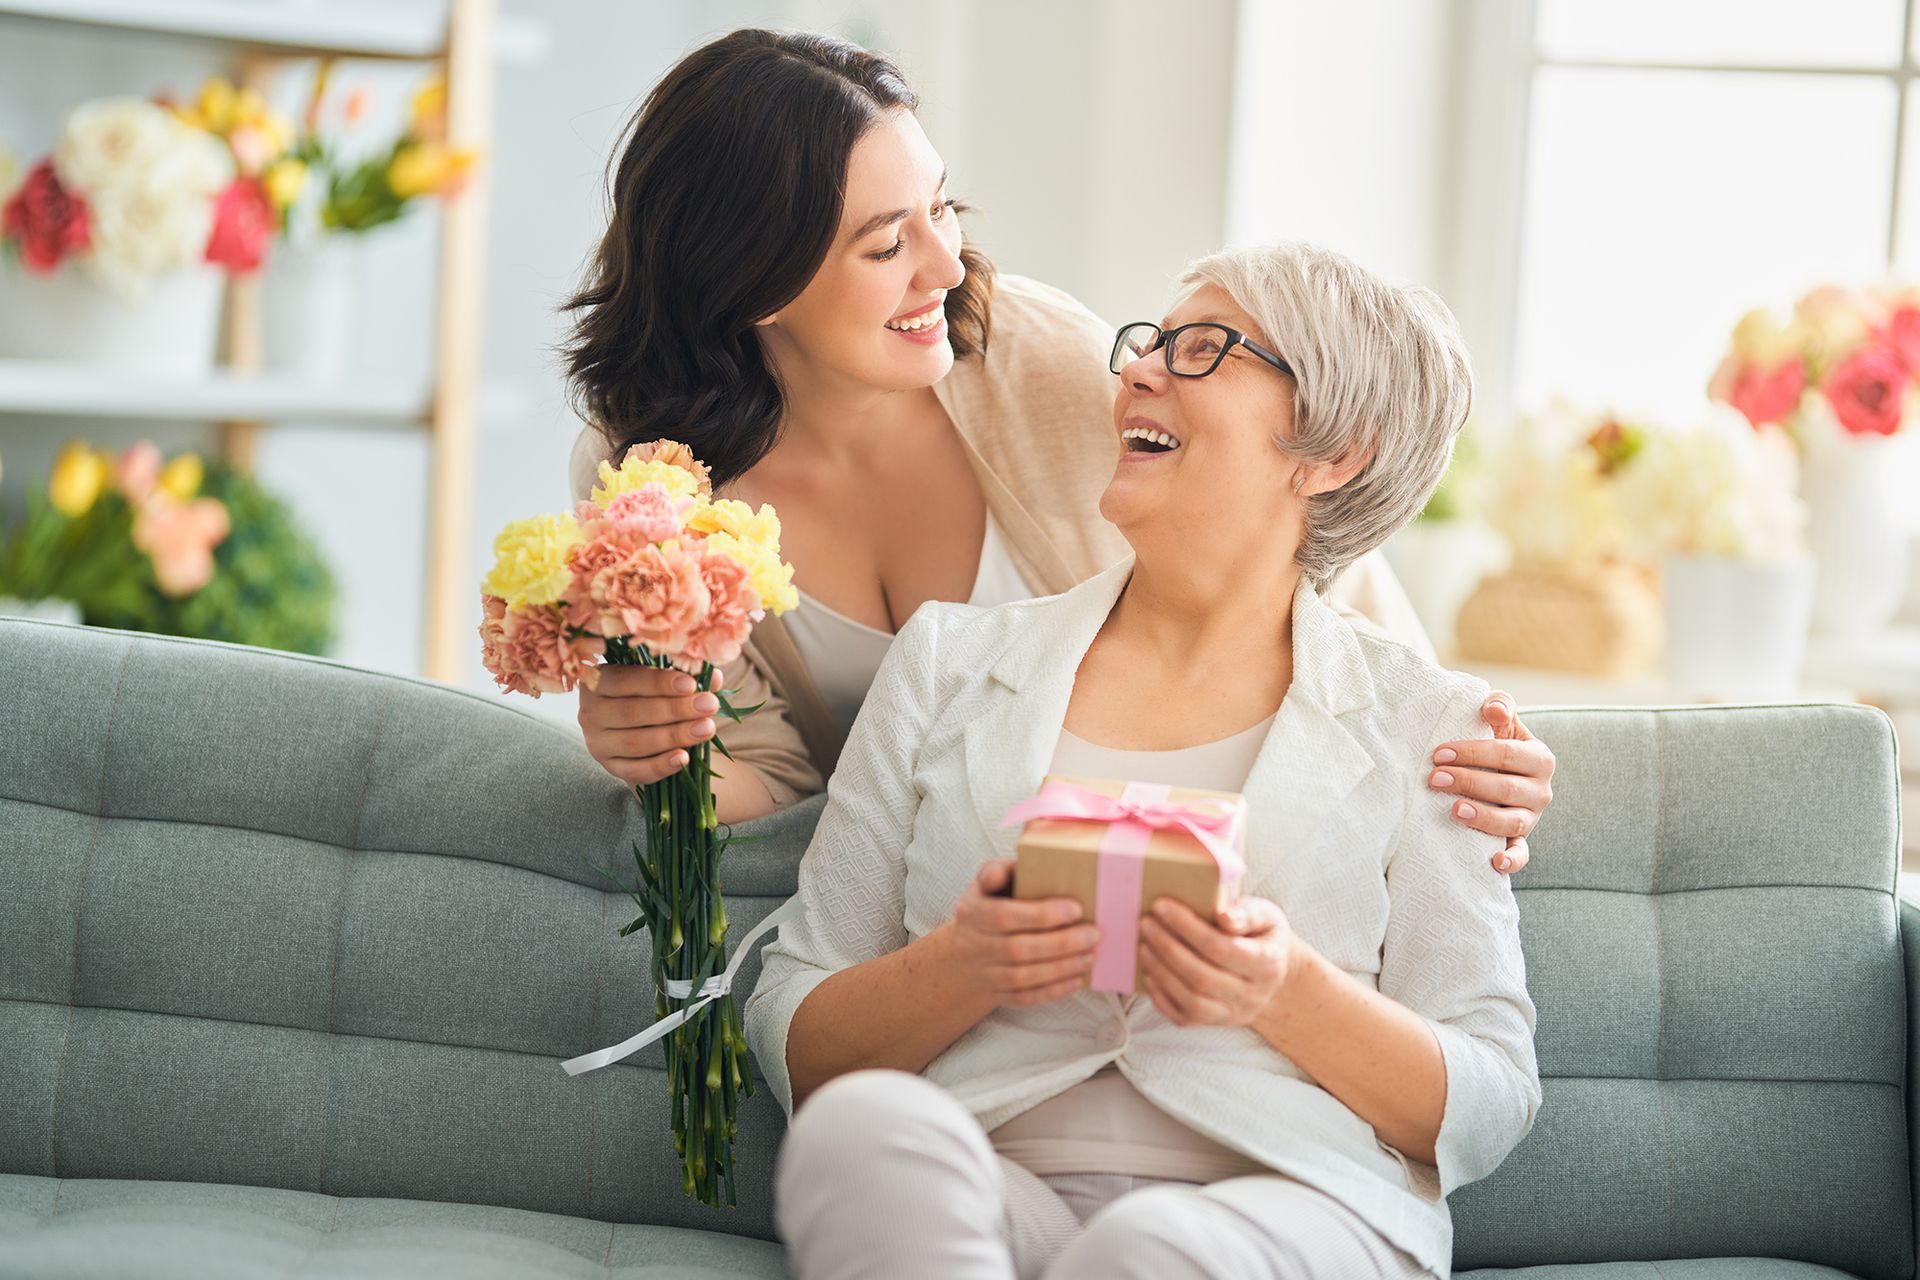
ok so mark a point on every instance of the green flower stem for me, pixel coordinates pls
(707, 1071)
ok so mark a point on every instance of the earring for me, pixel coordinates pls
(1299, 478)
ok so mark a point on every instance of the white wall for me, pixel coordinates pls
(1098, 140)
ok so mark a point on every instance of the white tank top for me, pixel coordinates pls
(843, 655)
(1104, 1124)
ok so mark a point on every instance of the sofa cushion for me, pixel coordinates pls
(1680, 1269)
(1713, 944)
(106, 1229)
(282, 922)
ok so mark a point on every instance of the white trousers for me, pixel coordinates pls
(886, 1175)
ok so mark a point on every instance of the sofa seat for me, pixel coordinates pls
(1679, 1269)
(100, 1228)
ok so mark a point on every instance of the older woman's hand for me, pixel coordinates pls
(1505, 782)
(1220, 972)
(1019, 953)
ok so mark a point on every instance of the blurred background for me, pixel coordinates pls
(1677, 235)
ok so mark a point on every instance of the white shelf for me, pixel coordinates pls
(345, 28)
(72, 389)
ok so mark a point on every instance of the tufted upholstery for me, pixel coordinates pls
(291, 952)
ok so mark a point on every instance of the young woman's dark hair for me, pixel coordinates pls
(726, 199)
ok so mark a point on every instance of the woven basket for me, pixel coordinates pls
(1603, 621)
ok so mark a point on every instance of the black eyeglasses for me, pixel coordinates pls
(1193, 350)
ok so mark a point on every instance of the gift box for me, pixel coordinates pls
(1119, 847)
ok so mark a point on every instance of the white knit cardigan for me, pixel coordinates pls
(1343, 834)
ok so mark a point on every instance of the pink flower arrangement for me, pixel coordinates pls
(1853, 353)
(653, 571)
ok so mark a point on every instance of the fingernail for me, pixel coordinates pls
(704, 728)
(1503, 863)
(1467, 811)
(1442, 779)
(1444, 756)
(683, 684)
(706, 702)
(1162, 910)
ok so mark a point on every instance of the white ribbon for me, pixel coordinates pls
(680, 988)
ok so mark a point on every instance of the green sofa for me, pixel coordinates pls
(291, 952)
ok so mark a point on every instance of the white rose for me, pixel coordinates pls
(151, 182)
(110, 142)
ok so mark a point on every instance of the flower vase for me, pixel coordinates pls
(171, 328)
(307, 308)
(1856, 534)
(1737, 629)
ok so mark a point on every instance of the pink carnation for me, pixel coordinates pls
(653, 597)
(733, 610)
(649, 513)
(530, 651)
(1866, 390)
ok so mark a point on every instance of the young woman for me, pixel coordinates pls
(783, 285)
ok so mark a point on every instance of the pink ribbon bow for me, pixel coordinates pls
(1132, 818)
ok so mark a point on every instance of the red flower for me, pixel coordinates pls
(243, 223)
(1903, 336)
(1866, 390)
(45, 219)
(1768, 395)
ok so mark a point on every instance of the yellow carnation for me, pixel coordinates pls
(79, 474)
(737, 518)
(633, 473)
(530, 564)
(183, 476)
(771, 579)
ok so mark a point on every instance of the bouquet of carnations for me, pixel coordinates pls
(652, 570)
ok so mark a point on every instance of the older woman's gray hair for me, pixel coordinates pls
(1378, 367)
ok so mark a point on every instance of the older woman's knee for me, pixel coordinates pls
(862, 1117)
(1144, 1235)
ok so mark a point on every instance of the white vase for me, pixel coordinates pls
(173, 328)
(1737, 630)
(1439, 563)
(307, 308)
(49, 610)
(1856, 533)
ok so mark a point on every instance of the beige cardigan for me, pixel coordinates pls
(1035, 414)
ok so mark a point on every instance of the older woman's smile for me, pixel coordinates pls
(1144, 438)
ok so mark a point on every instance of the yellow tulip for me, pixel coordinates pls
(430, 111)
(284, 181)
(183, 476)
(79, 474)
(424, 168)
(213, 110)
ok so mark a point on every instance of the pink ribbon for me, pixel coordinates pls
(1140, 810)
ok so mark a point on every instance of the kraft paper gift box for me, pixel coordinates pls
(1118, 847)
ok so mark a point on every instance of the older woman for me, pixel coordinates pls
(1313, 1070)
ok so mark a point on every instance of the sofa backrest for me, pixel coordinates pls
(274, 920)
(1713, 944)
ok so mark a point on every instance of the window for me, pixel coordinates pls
(1683, 163)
